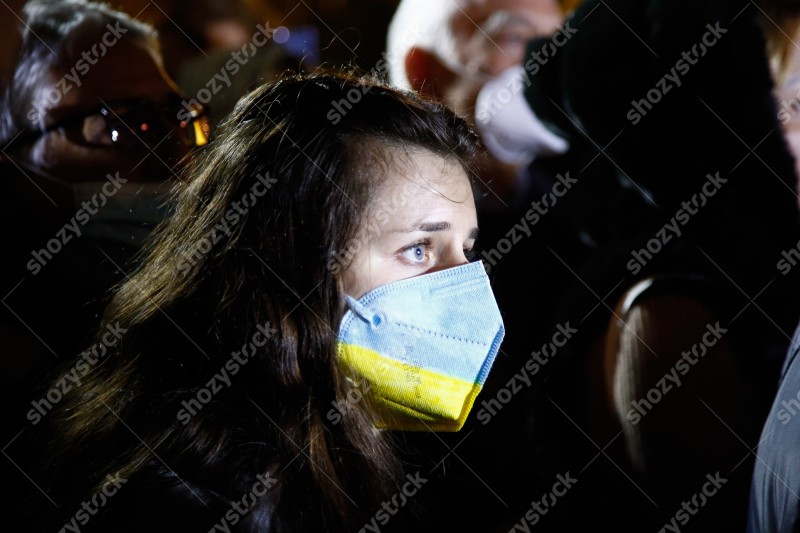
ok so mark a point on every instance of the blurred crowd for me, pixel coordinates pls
(638, 212)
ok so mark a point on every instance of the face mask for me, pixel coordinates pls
(127, 215)
(509, 129)
(110, 211)
(424, 345)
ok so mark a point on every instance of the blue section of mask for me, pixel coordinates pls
(447, 322)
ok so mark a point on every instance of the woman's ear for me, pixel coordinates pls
(426, 74)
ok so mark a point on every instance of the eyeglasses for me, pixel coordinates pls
(131, 123)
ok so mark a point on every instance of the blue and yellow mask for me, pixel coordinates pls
(424, 345)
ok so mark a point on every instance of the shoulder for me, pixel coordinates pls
(774, 504)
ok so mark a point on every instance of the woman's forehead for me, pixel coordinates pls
(428, 186)
(411, 169)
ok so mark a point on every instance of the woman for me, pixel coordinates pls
(312, 285)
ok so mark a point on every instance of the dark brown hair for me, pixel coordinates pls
(215, 273)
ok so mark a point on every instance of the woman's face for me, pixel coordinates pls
(421, 220)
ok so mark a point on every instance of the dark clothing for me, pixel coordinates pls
(699, 150)
(609, 231)
(55, 281)
(157, 500)
(774, 500)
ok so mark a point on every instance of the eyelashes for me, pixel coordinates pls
(420, 253)
(410, 256)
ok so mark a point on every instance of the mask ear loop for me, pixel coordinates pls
(375, 320)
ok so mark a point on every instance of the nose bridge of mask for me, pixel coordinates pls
(425, 345)
(405, 305)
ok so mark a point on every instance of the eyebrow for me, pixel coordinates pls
(442, 226)
(434, 226)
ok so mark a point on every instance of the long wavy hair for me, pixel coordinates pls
(228, 263)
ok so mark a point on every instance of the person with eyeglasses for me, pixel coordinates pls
(91, 142)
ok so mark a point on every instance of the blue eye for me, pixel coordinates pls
(416, 253)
